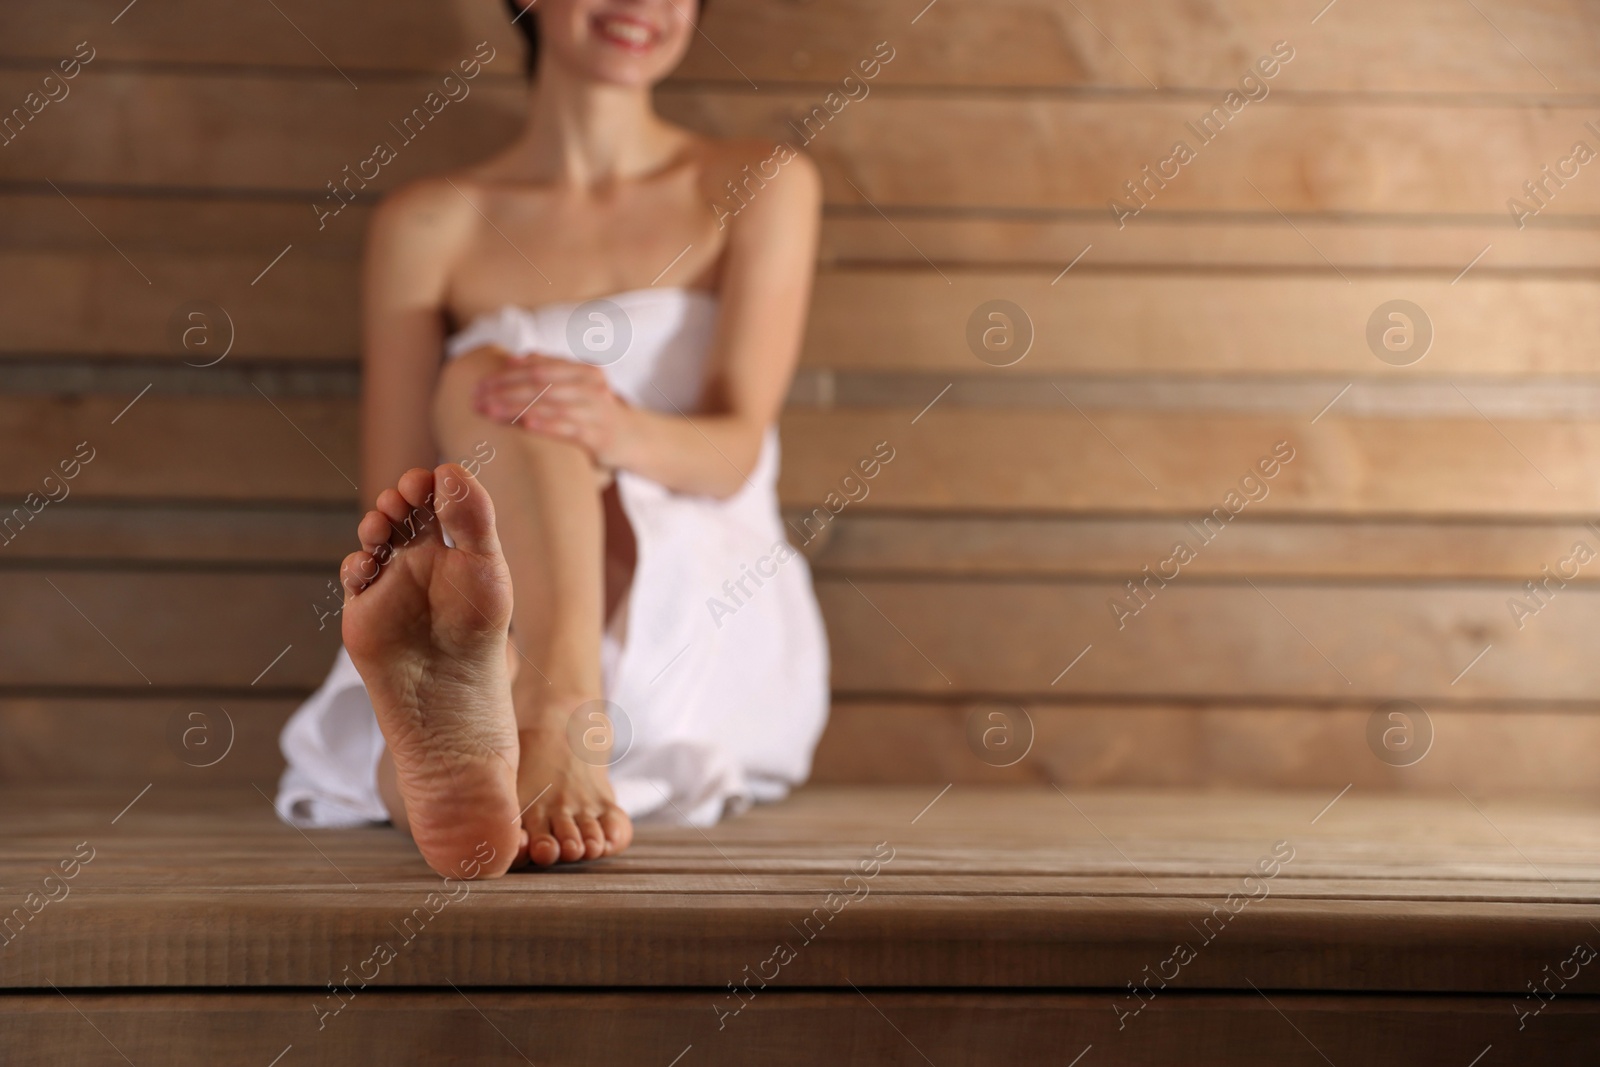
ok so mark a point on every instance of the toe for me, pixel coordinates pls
(566, 831)
(543, 850)
(465, 510)
(594, 839)
(393, 507)
(416, 486)
(357, 571)
(374, 530)
(618, 830)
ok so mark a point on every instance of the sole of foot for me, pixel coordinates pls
(425, 624)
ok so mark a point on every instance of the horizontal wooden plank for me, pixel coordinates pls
(92, 301)
(1183, 323)
(614, 1029)
(292, 449)
(1185, 463)
(1046, 43)
(1096, 322)
(874, 545)
(1027, 546)
(186, 743)
(1052, 240)
(1289, 157)
(1194, 640)
(1181, 463)
(252, 227)
(946, 910)
(1262, 642)
(1495, 750)
(258, 537)
(181, 743)
(250, 131)
(221, 630)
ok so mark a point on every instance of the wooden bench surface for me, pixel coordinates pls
(1025, 912)
(1024, 887)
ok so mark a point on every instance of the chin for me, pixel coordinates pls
(634, 45)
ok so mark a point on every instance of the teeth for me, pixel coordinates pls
(631, 32)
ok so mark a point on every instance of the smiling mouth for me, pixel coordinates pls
(629, 33)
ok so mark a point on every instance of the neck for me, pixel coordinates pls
(586, 134)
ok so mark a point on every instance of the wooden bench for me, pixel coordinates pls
(884, 924)
(1069, 789)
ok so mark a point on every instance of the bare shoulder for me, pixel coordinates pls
(755, 184)
(430, 212)
(418, 231)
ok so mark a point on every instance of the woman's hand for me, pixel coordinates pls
(559, 398)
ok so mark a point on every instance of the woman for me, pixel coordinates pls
(622, 346)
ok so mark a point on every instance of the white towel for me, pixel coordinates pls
(724, 692)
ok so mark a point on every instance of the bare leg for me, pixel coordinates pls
(551, 524)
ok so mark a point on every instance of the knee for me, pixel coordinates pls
(452, 410)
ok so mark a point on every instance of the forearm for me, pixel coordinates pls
(711, 455)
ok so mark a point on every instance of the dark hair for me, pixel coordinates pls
(526, 21)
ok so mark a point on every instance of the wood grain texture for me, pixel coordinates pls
(1257, 642)
(1129, 462)
(1094, 322)
(1210, 640)
(1154, 462)
(170, 742)
(1045, 43)
(872, 544)
(253, 226)
(176, 742)
(214, 631)
(984, 888)
(1194, 745)
(1274, 325)
(510, 1029)
(1030, 546)
(252, 132)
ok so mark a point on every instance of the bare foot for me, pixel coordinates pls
(562, 778)
(426, 626)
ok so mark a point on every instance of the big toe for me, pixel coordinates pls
(464, 509)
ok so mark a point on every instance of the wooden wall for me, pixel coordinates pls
(1230, 314)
